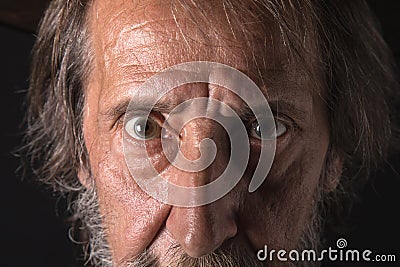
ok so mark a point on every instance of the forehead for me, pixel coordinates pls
(134, 40)
(147, 36)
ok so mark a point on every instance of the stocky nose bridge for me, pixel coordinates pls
(201, 230)
(193, 137)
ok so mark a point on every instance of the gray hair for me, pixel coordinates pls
(355, 63)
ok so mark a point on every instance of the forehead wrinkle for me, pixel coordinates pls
(135, 58)
(277, 88)
(148, 36)
(148, 46)
(142, 57)
(280, 81)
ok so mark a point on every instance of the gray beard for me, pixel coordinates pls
(98, 253)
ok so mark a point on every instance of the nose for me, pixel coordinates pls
(201, 230)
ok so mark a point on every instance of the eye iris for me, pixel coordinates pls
(144, 128)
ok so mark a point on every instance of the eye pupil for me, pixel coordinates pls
(144, 128)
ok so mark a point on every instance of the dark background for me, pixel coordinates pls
(34, 233)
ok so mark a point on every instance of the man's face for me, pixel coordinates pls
(133, 40)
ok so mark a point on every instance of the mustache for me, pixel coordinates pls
(232, 256)
(88, 227)
(98, 252)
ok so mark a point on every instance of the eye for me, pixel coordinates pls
(143, 128)
(255, 130)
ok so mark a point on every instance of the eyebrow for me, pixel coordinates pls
(244, 112)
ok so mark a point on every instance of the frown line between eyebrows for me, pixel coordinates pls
(282, 97)
(165, 107)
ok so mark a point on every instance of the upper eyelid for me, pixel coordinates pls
(285, 118)
(159, 118)
(296, 113)
(247, 118)
(279, 116)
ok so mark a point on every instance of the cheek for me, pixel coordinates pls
(282, 207)
(131, 217)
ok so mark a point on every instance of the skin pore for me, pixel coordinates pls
(132, 40)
